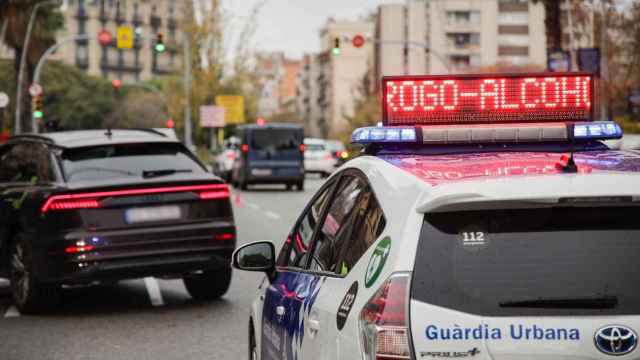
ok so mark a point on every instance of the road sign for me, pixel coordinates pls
(4, 100)
(358, 41)
(589, 60)
(105, 37)
(35, 89)
(212, 116)
(125, 37)
(233, 108)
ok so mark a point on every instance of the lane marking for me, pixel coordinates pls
(12, 312)
(272, 215)
(253, 206)
(153, 289)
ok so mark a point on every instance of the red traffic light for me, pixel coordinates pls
(358, 41)
(117, 83)
(105, 38)
(170, 123)
(260, 122)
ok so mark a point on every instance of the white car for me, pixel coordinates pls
(318, 158)
(494, 241)
(225, 159)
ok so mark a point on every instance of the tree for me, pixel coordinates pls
(552, 23)
(16, 14)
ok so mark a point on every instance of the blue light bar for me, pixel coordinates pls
(370, 135)
(600, 130)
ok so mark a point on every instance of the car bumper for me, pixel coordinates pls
(150, 251)
(260, 175)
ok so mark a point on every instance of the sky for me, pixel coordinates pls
(293, 25)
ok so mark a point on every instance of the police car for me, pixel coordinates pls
(487, 220)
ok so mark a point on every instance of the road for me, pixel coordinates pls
(155, 319)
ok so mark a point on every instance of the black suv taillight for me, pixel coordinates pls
(384, 326)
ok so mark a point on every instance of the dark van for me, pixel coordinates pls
(270, 154)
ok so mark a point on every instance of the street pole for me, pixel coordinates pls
(23, 60)
(604, 63)
(186, 47)
(572, 48)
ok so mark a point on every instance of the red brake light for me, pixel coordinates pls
(468, 99)
(244, 148)
(302, 147)
(383, 321)
(78, 249)
(92, 200)
(224, 237)
(74, 204)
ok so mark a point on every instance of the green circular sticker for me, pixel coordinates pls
(376, 263)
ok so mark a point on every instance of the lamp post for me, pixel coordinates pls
(23, 60)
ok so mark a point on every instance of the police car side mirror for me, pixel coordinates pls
(257, 256)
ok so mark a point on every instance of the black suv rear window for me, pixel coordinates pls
(126, 160)
(552, 261)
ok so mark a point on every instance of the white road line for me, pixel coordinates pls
(272, 215)
(12, 311)
(153, 289)
(253, 206)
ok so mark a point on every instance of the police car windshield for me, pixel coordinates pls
(550, 261)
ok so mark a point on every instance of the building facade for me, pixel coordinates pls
(146, 17)
(339, 75)
(441, 36)
(278, 76)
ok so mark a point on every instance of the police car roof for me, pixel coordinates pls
(475, 181)
(83, 138)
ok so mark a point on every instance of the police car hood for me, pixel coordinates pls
(490, 180)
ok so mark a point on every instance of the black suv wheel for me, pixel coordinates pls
(209, 285)
(29, 295)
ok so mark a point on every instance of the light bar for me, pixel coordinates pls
(601, 130)
(487, 99)
(488, 134)
(383, 135)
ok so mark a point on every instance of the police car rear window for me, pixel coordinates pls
(551, 261)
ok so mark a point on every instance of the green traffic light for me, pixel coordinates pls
(38, 114)
(160, 47)
(336, 51)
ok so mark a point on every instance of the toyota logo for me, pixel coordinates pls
(616, 340)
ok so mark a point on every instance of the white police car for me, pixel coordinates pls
(486, 221)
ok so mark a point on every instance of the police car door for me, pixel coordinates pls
(293, 289)
(353, 222)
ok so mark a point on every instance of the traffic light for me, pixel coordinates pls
(117, 84)
(336, 46)
(36, 104)
(160, 47)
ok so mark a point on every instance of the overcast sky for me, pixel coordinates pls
(292, 25)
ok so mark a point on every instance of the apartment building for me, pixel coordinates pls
(279, 76)
(340, 75)
(147, 17)
(460, 35)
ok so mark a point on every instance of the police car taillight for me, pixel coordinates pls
(478, 109)
(384, 325)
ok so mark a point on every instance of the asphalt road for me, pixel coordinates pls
(155, 319)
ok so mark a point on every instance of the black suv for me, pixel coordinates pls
(105, 205)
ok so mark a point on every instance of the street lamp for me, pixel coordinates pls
(23, 60)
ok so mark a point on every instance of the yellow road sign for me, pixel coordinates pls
(233, 108)
(125, 37)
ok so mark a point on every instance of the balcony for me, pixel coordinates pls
(513, 6)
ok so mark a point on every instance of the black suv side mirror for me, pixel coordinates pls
(257, 256)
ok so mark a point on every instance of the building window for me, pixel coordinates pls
(513, 40)
(463, 40)
(513, 18)
(463, 18)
